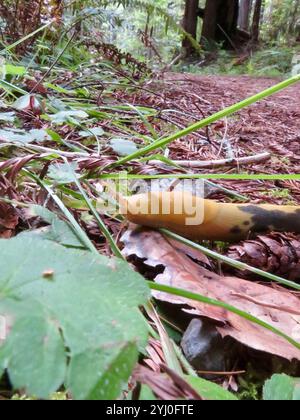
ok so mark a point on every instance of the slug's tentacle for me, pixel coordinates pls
(203, 219)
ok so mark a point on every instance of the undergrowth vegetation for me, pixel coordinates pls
(75, 317)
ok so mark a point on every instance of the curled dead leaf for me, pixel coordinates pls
(277, 307)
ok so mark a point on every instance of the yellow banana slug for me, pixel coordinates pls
(202, 219)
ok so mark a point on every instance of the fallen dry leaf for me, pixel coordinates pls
(156, 354)
(166, 386)
(279, 308)
(9, 219)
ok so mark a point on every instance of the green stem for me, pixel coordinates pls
(254, 177)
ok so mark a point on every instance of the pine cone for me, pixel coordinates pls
(276, 253)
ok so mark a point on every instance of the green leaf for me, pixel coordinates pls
(209, 390)
(106, 372)
(60, 232)
(283, 388)
(146, 394)
(96, 131)
(60, 173)
(123, 147)
(39, 135)
(7, 116)
(11, 70)
(38, 332)
(68, 116)
(15, 136)
(71, 299)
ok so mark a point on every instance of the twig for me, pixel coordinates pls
(262, 157)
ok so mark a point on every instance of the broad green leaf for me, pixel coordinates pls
(106, 372)
(209, 390)
(123, 147)
(57, 295)
(60, 173)
(68, 116)
(40, 135)
(96, 131)
(40, 333)
(282, 388)
(58, 231)
(15, 136)
(7, 116)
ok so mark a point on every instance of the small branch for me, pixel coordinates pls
(248, 160)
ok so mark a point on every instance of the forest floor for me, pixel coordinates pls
(41, 171)
(271, 125)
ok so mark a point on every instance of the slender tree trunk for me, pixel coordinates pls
(190, 21)
(244, 14)
(256, 20)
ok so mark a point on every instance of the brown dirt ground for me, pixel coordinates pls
(271, 125)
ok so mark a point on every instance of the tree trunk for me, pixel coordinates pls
(210, 20)
(189, 24)
(256, 20)
(292, 26)
(244, 14)
(228, 14)
(220, 21)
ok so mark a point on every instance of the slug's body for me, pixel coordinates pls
(220, 221)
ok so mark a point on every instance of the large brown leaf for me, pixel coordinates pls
(278, 307)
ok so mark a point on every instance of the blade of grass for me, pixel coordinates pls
(236, 264)
(199, 298)
(145, 121)
(253, 177)
(100, 223)
(77, 228)
(227, 191)
(9, 88)
(207, 121)
(166, 343)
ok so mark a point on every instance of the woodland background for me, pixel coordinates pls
(95, 90)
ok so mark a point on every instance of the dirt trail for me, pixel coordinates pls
(271, 125)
